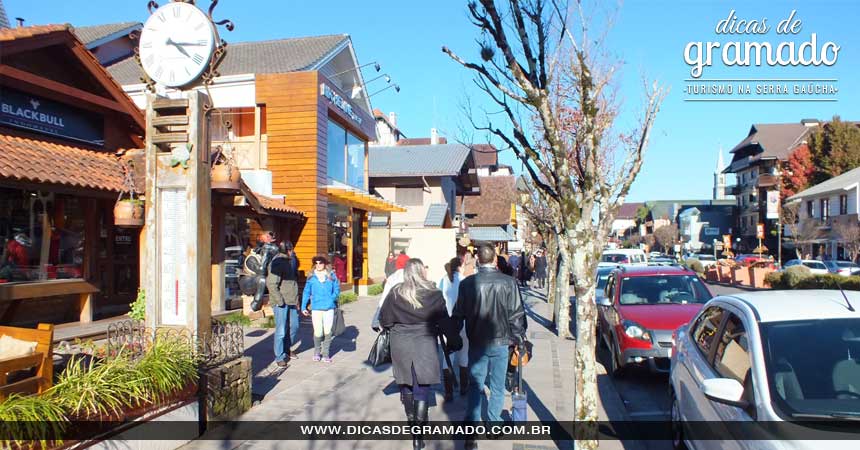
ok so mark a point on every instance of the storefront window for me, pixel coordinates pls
(346, 155)
(336, 139)
(237, 232)
(338, 239)
(355, 161)
(42, 236)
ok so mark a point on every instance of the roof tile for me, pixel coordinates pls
(38, 161)
(417, 160)
(493, 206)
(10, 34)
(95, 32)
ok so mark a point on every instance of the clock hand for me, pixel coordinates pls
(189, 43)
(178, 47)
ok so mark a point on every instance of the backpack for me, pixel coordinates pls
(254, 263)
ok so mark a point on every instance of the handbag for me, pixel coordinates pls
(380, 353)
(338, 326)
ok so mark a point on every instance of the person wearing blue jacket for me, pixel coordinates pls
(322, 289)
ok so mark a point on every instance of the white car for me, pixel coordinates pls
(624, 256)
(706, 259)
(844, 268)
(768, 359)
(815, 267)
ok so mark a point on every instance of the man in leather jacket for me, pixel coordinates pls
(490, 305)
(267, 249)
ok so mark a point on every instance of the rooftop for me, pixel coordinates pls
(493, 206)
(768, 140)
(277, 56)
(417, 160)
(91, 34)
(835, 184)
(778, 306)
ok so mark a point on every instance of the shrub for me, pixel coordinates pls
(830, 281)
(695, 265)
(774, 279)
(98, 388)
(794, 274)
(346, 297)
(138, 308)
(375, 289)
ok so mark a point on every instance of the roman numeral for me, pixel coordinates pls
(147, 44)
(197, 58)
(161, 17)
(187, 72)
(149, 60)
(158, 71)
(202, 42)
(176, 12)
(199, 26)
(172, 76)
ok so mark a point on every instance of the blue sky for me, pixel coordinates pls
(649, 36)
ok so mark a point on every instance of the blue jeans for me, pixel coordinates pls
(487, 365)
(284, 315)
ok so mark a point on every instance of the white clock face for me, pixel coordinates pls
(176, 44)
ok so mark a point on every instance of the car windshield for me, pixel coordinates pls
(800, 385)
(614, 258)
(846, 264)
(815, 265)
(602, 276)
(663, 289)
(705, 258)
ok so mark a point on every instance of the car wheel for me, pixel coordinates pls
(677, 426)
(616, 369)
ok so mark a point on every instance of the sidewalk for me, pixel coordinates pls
(349, 389)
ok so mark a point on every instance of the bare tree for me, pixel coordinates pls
(553, 82)
(799, 232)
(666, 236)
(849, 236)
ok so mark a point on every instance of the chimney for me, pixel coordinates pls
(20, 21)
(434, 137)
(810, 122)
(392, 117)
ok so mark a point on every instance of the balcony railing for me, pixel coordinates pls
(734, 189)
(765, 181)
(248, 153)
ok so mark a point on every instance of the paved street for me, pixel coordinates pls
(348, 389)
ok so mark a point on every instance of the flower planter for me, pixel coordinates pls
(741, 276)
(128, 213)
(725, 273)
(757, 276)
(712, 274)
(225, 178)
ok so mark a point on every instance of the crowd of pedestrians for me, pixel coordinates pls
(458, 331)
(469, 320)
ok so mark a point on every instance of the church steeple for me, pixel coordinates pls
(720, 178)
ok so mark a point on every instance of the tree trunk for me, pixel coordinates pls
(561, 289)
(585, 250)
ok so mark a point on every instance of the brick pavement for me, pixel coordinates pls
(349, 389)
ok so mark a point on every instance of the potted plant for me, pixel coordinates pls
(128, 212)
(225, 171)
(758, 272)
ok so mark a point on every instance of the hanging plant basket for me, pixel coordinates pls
(225, 171)
(128, 213)
(225, 178)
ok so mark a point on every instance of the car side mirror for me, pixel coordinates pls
(603, 301)
(725, 390)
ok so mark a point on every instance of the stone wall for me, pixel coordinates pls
(228, 390)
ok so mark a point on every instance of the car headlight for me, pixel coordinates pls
(636, 331)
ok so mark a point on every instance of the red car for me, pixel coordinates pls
(640, 310)
(748, 259)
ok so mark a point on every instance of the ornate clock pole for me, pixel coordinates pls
(179, 51)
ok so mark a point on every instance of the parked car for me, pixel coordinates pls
(767, 356)
(641, 308)
(662, 261)
(747, 259)
(632, 256)
(706, 259)
(844, 268)
(602, 277)
(815, 267)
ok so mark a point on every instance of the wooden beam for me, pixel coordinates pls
(44, 86)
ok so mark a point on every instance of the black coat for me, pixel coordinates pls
(490, 306)
(414, 335)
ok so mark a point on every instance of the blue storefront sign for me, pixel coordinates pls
(41, 115)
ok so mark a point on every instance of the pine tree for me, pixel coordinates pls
(835, 149)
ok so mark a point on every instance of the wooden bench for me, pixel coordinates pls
(42, 360)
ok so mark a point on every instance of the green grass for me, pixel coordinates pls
(236, 317)
(375, 289)
(346, 297)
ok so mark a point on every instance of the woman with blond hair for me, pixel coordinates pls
(415, 314)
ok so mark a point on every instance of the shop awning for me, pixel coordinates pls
(37, 161)
(490, 234)
(361, 200)
(262, 204)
